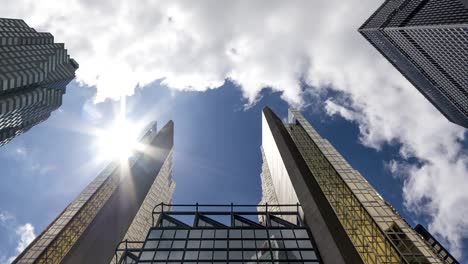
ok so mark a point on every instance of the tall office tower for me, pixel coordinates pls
(349, 220)
(117, 205)
(222, 234)
(34, 72)
(427, 41)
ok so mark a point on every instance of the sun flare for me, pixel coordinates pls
(119, 141)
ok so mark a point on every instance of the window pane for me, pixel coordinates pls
(220, 255)
(235, 244)
(309, 255)
(287, 233)
(304, 243)
(275, 233)
(176, 255)
(168, 234)
(181, 233)
(261, 234)
(208, 233)
(235, 255)
(249, 243)
(178, 244)
(191, 255)
(195, 234)
(221, 233)
(165, 244)
(207, 244)
(247, 234)
(193, 244)
(155, 234)
(250, 255)
(301, 233)
(294, 255)
(206, 255)
(290, 244)
(161, 255)
(234, 234)
(220, 244)
(151, 244)
(147, 255)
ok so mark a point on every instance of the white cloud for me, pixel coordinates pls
(196, 45)
(26, 235)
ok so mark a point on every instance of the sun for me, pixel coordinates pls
(118, 141)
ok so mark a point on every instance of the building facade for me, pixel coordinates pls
(34, 72)
(116, 205)
(222, 234)
(436, 247)
(349, 220)
(427, 41)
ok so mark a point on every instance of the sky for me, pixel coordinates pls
(211, 66)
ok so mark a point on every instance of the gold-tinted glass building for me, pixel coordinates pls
(349, 220)
(117, 205)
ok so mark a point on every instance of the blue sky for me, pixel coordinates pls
(217, 152)
(308, 52)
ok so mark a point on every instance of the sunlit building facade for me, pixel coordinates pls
(426, 40)
(349, 220)
(34, 72)
(117, 205)
(222, 234)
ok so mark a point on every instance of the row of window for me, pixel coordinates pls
(228, 255)
(233, 244)
(229, 233)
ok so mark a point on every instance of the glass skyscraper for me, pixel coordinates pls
(117, 205)
(349, 220)
(34, 72)
(222, 234)
(427, 41)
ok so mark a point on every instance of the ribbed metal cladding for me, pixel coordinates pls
(427, 41)
(34, 72)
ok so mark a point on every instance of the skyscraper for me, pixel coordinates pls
(223, 234)
(348, 219)
(34, 72)
(427, 41)
(117, 205)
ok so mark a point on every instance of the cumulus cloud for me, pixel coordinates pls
(24, 233)
(197, 45)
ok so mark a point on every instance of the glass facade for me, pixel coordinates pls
(65, 232)
(238, 238)
(34, 72)
(430, 38)
(377, 232)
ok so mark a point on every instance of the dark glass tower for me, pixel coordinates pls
(222, 234)
(427, 41)
(348, 219)
(117, 205)
(34, 72)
